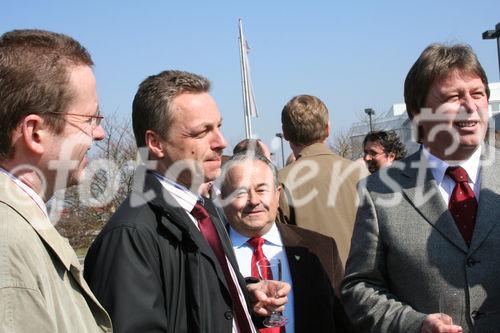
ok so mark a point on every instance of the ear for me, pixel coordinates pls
(154, 144)
(278, 191)
(327, 130)
(33, 131)
(391, 157)
(285, 135)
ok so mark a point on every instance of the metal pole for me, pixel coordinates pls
(244, 85)
(282, 153)
(371, 125)
(280, 135)
(492, 34)
(498, 54)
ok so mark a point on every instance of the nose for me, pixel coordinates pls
(98, 133)
(253, 198)
(219, 142)
(469, 104)
(367, 157)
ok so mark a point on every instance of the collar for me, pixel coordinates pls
(14, 195)
(28, 190)
(272, 237)
(184, 197)
(317, 148)
(438, 167)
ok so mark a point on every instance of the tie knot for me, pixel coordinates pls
(458, 174)
(256, 242)
(199, 212)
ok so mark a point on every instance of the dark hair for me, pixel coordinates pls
(304, 120)
(435, 63)
(151, 109)
(389, 141)
(34, 76)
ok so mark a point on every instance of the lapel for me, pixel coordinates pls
(298, 262)
(488, 213)
(219, 222)
(21, 202)
(421, 190)
(178, 223)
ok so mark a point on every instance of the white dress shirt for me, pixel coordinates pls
(28, 190)
(272, 248)
(445, 183)
(187, 200)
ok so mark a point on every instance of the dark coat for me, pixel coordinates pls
(153, 271)
(317, 272)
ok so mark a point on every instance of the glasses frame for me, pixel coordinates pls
(374, 156)
(96, 120)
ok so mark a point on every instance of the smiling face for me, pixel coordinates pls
(194, 141)
(459, 104)
(253, 197)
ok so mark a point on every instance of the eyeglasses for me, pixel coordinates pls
(372, 154)
(93, 121)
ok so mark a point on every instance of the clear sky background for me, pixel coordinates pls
(351, 54)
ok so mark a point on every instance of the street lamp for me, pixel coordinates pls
(492, 34)
(370, 112)
(280, 135)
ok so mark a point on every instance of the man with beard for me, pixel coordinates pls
(381, 148)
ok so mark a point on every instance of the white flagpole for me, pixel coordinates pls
(245, 83)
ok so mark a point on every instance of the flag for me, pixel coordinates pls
(252, 107)
(248, 93)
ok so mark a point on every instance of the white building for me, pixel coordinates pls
(396, 119)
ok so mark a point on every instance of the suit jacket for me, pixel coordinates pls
(319, 194)
(41, 284)
(154, 272)
(316, 272)
(406, 250)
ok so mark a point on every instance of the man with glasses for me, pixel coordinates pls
(48, 120)
(381, 148)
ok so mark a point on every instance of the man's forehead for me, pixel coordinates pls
(448, 81)
(249, 172)
(373, 145)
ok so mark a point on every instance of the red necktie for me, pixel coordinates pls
(463, 203)
(208, 230)
(258, 255)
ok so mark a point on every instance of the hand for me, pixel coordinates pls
(439, 322)
(267, 296)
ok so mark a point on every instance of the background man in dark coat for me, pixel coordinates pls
(310, 261)
(164, 262)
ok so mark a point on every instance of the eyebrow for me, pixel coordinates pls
(206, 124)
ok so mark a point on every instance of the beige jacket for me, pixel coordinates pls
(320, 194)
(41, 285)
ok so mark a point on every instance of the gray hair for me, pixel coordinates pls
(244, 157)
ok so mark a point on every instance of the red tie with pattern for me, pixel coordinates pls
(208, 230)
(258, 254)
(463, 203)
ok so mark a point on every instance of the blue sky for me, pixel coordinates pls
(352, 55)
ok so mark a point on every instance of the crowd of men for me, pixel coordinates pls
(413, 247)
